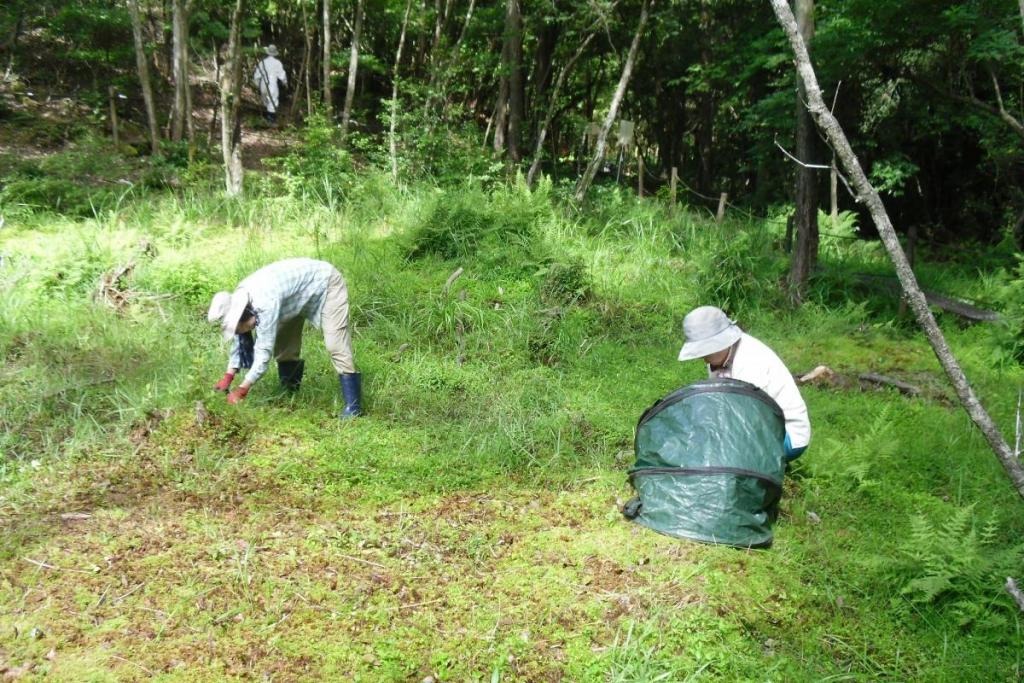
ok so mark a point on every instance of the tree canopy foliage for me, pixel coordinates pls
(931, 93)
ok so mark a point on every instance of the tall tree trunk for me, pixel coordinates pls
(500, 117)
(438, 74)
(12, 44)
(440, 21)
(231, 104)
(538, 149)
(142, 67)
(704, 134)
(421, 42)
(216, 107)
(309, 65)
(613, 110)
(303, 79)
(353, 66)
(547, 42)
(327, 57)
(514, 34)
(867, 194)
(179, 51)
(190, 128)
(392, 141)
(805, 254)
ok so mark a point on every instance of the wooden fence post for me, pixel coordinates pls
(113, 113)
(672, 184)
(722, 200)
(640, 173)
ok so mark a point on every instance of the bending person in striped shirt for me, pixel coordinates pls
(732, 353)
(275, 302)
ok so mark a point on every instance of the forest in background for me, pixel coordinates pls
(930, 93)
(469, 526)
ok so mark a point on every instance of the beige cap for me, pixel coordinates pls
(707, 330)
(228, 309)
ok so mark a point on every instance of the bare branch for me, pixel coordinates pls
(1015, 125)
(802, 163)
(821, 167)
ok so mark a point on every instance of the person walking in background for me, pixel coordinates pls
(731, 353)
(269, 72)
(275, 302)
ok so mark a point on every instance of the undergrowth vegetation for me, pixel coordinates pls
(467, 528)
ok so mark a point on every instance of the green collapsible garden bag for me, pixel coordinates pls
(709, 464)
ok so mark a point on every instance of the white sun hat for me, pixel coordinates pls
(707, 330)
(228, 309)
(271, 50)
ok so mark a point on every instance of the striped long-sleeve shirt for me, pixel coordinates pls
(278, 293)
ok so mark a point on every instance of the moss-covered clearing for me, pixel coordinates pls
(468, 527)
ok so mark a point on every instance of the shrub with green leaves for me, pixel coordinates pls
(81, 181)
(1010, 335)
(956, 563)
(565, 282)
(857, 460)
(317, 166)
(500, 228)
(741, 272)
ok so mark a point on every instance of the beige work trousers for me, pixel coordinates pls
(333, 322)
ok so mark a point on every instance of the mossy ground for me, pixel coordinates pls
(467, 528)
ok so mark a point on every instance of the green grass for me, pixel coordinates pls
(468, 527)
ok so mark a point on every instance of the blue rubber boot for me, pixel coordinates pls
(352, 391)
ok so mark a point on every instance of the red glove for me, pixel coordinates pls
(225, 382)
(237, 395)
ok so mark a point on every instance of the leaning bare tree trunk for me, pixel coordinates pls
(353, 66)
(231, 104)
(327, 57)
(392, 142)
(613, 110)
(538, 150)
(142, 66)
(867, 194)
(805, 255)
(180, 65)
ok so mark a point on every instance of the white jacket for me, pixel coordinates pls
(268, 73)
(752, 361)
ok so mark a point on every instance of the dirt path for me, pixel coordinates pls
(259, 144)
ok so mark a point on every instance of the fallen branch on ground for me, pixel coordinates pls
(44, 565)
(961, 308)
(362, 561)
(884, 380)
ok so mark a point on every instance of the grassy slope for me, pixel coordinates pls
(468, 527)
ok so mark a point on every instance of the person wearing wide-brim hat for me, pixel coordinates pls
(275, 302)
(732, 353)
(269, 72)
